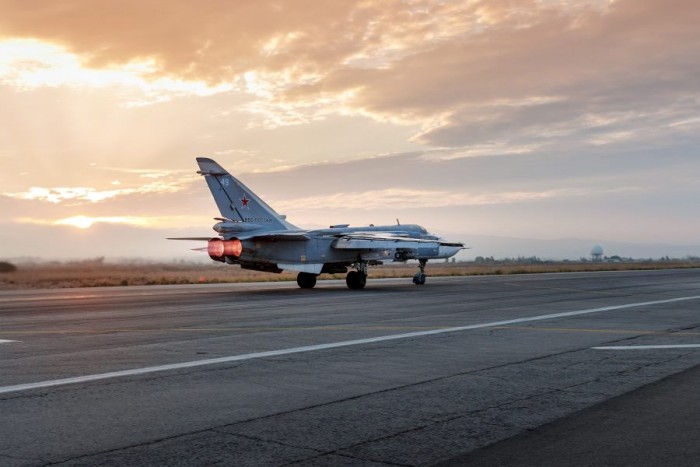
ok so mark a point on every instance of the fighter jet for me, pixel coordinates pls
(254, 236)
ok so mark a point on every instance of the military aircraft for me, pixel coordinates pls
(254, 236)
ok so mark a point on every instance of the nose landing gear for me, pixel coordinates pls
(420, 276)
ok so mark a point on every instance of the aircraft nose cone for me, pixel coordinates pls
(448, 251)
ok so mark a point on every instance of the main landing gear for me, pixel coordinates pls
(419, 277)
(357, 279)
(306, 280)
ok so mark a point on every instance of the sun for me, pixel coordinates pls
(81, 222)
(85, 222)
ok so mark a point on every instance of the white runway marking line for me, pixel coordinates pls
(311, 348)
(647, 347)
(5, 341)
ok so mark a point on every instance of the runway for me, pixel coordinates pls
(396, 374)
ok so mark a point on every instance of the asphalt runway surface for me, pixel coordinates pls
(551, 369)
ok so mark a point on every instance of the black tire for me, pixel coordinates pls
(350, 279)
(419, 278)
(356, 280)
(306, 280)
(361, 280)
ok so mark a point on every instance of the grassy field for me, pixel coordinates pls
(98, 273)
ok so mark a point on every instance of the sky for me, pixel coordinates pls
(537, 119)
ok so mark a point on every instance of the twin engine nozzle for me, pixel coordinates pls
(219, 249)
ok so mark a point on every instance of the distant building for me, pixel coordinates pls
(597, 253)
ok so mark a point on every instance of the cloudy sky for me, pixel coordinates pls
(541, 119)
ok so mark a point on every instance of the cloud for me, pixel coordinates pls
(398, 198)
(361, 57)
(29, 64)
(166, 182)
(465, 73)
(559, 77)
(61, 194)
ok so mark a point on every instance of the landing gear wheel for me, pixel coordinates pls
(306, 280)
(419, 278)
(356, 280)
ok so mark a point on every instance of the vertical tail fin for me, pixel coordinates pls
(236, 201)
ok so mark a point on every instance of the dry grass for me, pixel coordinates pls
(100, 274)
(97, 273)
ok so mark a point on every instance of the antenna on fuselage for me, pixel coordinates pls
(397, 221)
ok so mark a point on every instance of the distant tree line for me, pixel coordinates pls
(7, 267)
(518, 260)
(490, 260)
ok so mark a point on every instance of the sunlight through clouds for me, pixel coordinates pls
(400, 198)
(85, 222)
(30, 64)
(61, 194)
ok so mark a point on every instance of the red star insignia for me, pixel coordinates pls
(245, 201)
